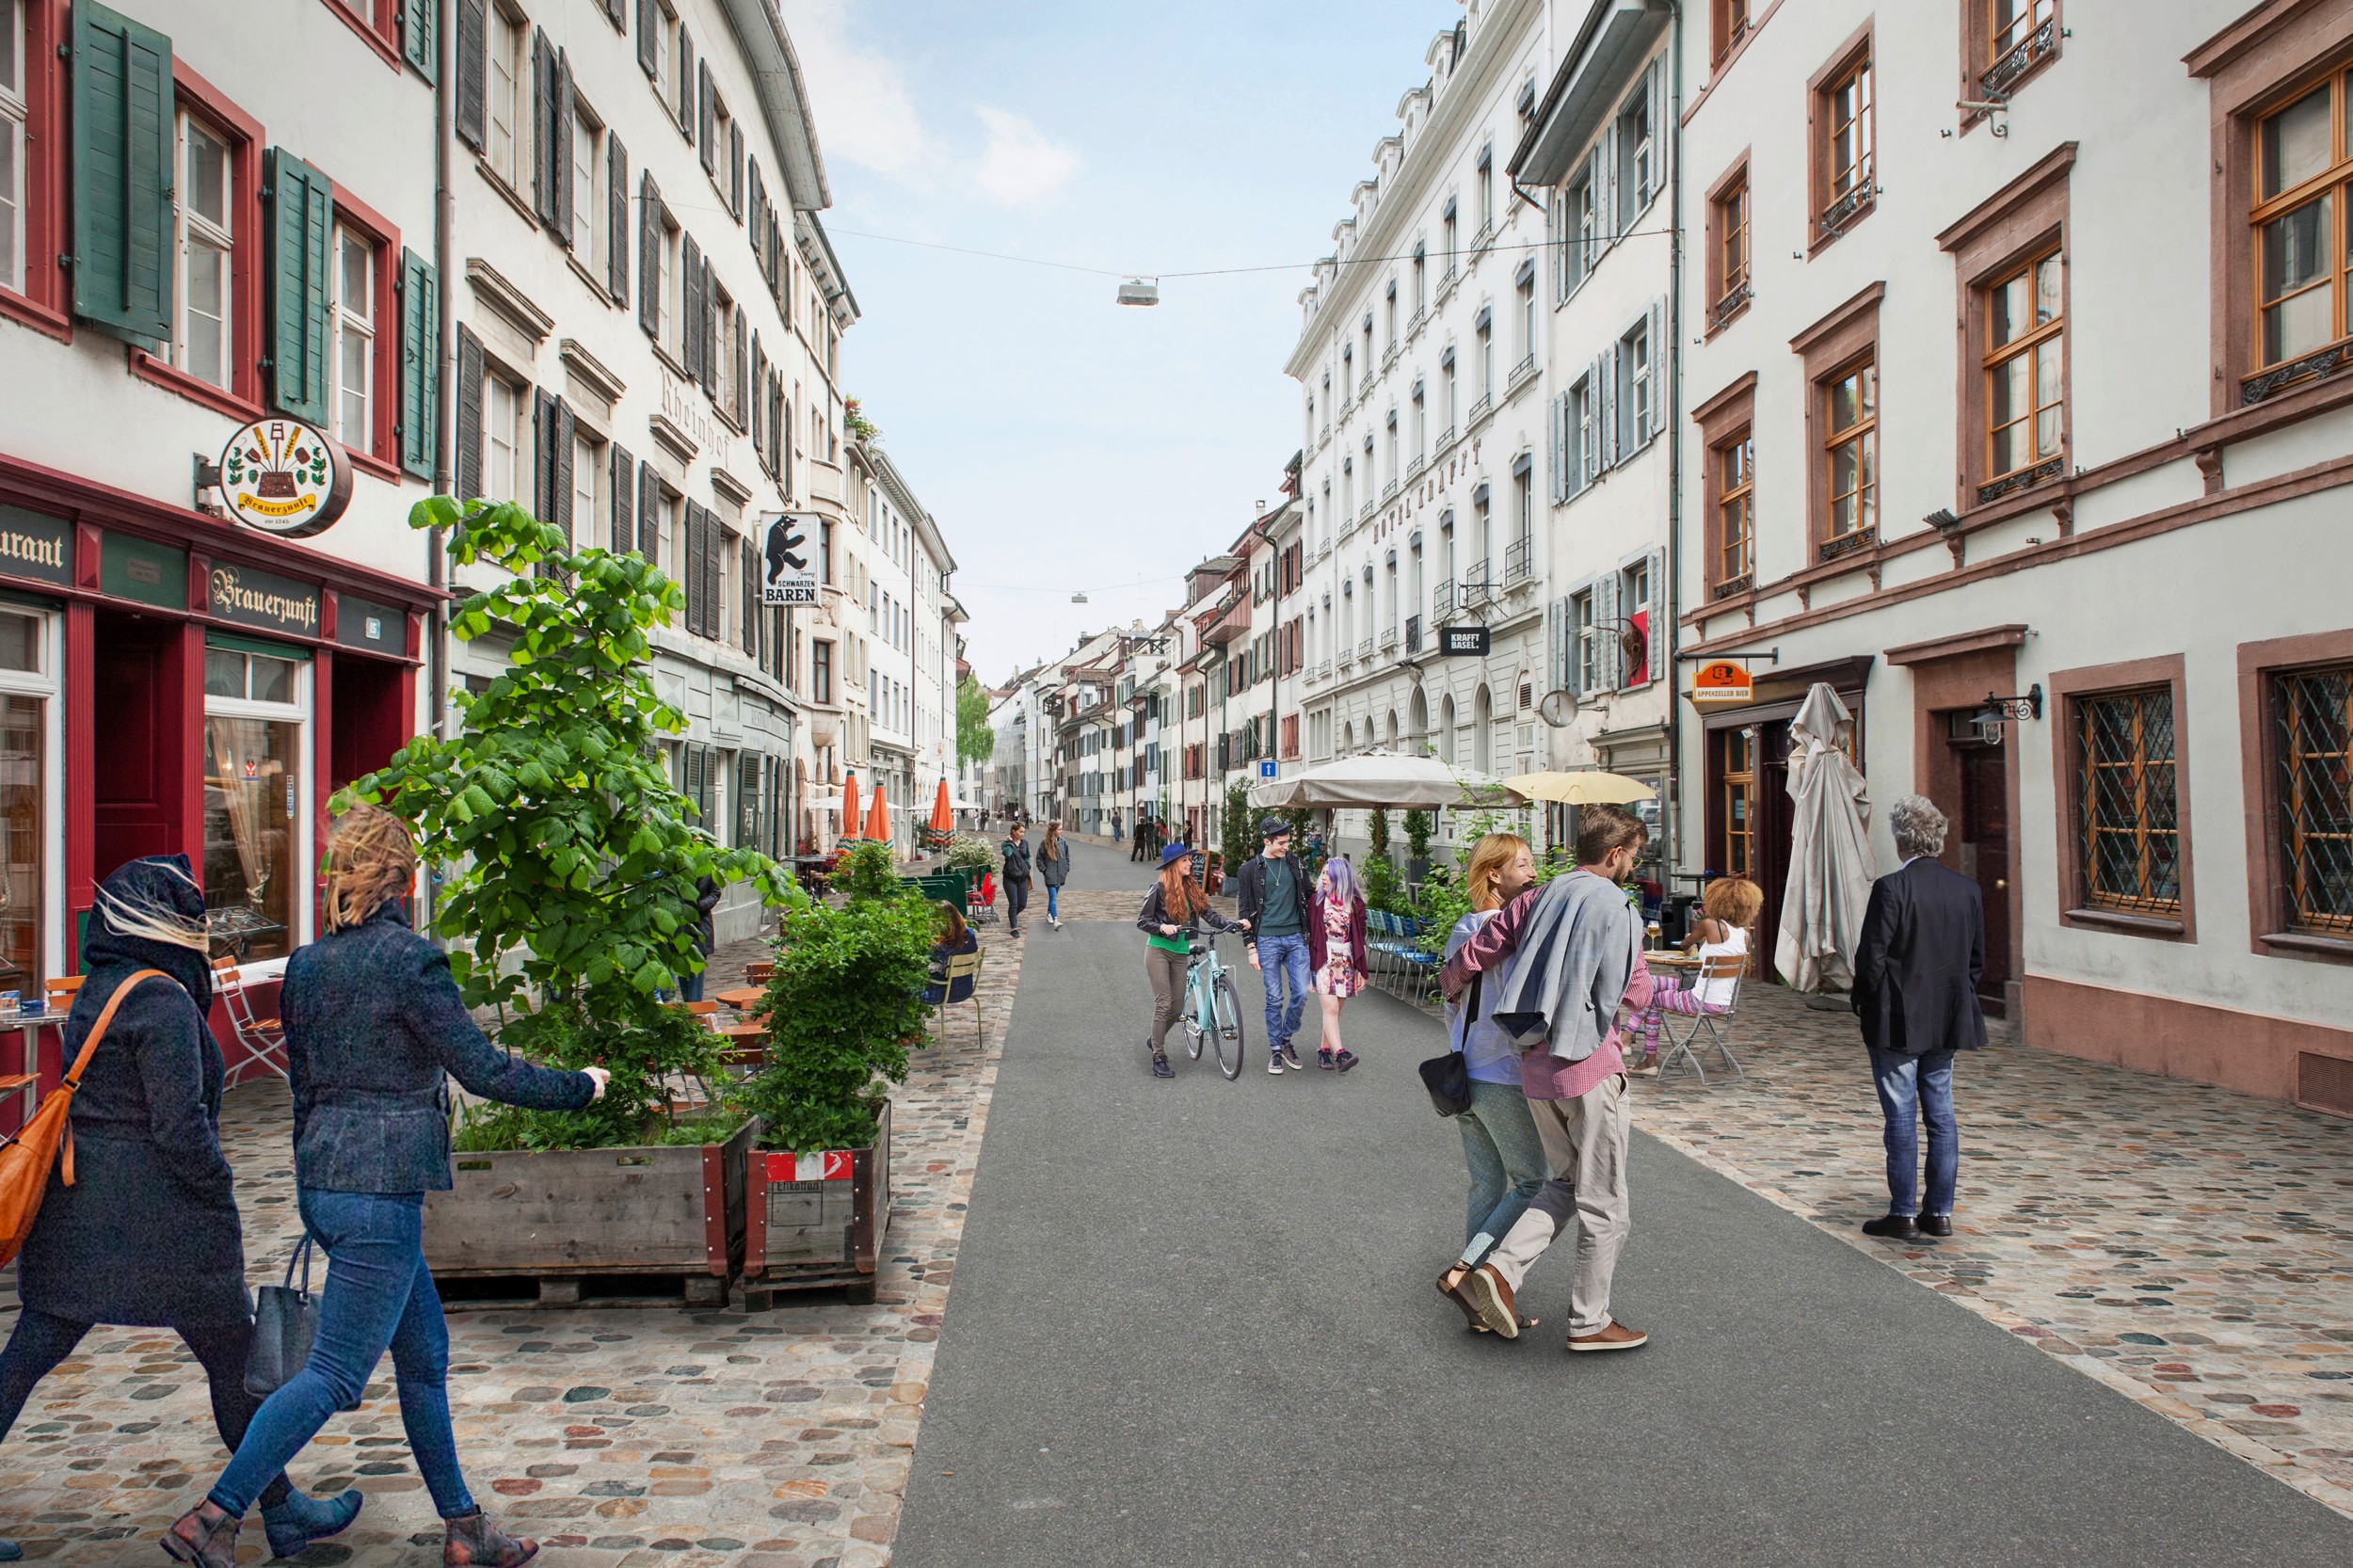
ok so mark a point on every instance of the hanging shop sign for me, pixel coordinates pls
(1721, 683)
(251, 596)
(1463, 642)
(284, 477)
(36, 545)
(787, 576)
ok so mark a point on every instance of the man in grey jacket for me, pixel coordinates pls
(1580, 957)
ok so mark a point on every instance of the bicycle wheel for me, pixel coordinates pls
(1195, 1034)
(1226, 1006)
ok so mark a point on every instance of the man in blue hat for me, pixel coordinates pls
(1270, 897)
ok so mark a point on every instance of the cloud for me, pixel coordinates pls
(865, 111)
(1021, 167)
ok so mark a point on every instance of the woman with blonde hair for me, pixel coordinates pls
(1175, 904)
(148, 1236)
(1500, 1142)
(375, 1028)
(1728, 906)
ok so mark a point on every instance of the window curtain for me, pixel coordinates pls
(236, 744)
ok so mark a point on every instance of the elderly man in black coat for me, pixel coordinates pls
(147, 1235)
(1921, 956)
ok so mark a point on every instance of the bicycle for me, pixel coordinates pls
(1212, 1006)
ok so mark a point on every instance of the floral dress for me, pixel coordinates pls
(1338, 978)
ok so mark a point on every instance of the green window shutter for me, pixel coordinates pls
(420, 364)
(122, 133)
(420, 36)
(301, 229)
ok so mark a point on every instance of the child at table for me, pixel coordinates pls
(1729, 905)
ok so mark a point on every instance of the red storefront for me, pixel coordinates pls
(170, 682)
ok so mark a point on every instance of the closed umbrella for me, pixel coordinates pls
(878, 820)
(849, 806)
(1585, 786)
(943, 816)
(1829, 850)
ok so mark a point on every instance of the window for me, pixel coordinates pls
(14, 111)
(1487, 189)
(2128, 834)
(1447, 399)
(1637, 163)
(1580, 225)
(1736, 800)
(1843, 129)
(1420, 433)
(2311, 804)
(592, 193)
(588, 477)
(1728, 248)
(509, 138)
(354, 313)
(2010, 40)
(1583, 434)
(1422, 279)
(255, 824)
(505, 406)
(1390, 309)
(2303, 169)
(1528, 319)
(1486, 358)
(1728, 22)
(1634, 610)
(1587, 647)
(28, 680)
(1637, 392)
(2024, 376)
(1850, 402)
(202, 337)
(1445, 243)
(1734, 464)
(671, 324)
(1518, 555)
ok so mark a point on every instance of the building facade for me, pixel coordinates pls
(1938, 457)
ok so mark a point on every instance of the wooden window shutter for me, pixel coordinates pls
(1655, 345)
(617, 219)
(650, 256)
(686, 85)
(649, 514)
(714, 542)
(543, 151)
(562, 477)
(543, 456)
(755, 414)
(698, 554)
(749, 577)
(708, 320)
(1606, 623)
(735, 170)
(1608, 418)
(473, 66)
(690, 326)
(758, 225)
(740, 387)
(123, 158)
(648, 38)
(420, 36)
(302, 222)
(561, 124)
(706, 109)
(624, 487)
(420, 364)
(618, 12)
(469, 433)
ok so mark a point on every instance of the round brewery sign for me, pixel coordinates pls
(284, 477)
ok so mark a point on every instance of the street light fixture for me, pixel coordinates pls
(1140, 291)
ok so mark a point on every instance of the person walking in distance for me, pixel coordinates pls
(1917, 966)
(1336, 953)
(1578, 951)
(1175, 903)
(1270, 897)
(1053, 869)
(1016, 857)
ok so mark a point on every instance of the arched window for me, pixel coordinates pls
(1482, 732)
(1417, 715)
(1445, 730)
(1392, 730)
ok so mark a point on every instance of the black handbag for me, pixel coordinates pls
(285, 1321)
(1446, 1077)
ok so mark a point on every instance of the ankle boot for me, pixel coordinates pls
(293, 1525)
(473, 1542)
(205, 1536)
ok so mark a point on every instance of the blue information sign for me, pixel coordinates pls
(1266, 770)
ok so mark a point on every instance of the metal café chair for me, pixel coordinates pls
(1683, 1054)
(258, 1039)
(959, 966)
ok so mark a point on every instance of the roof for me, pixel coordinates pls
(1610, 48)
(783, 98)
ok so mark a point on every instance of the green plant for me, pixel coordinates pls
(975, 741)
(644, 1051)
(1442, 902)
(1385, 889)
(853, 419)
(846, 997)
(1237, 833)
(868, 872)
(568, 861)
(969, 852)
(1417, 828)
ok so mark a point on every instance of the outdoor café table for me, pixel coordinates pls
(1671, 959)
(742, 999)
(27, 1082)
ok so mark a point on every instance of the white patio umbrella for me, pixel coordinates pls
(1829, 850)
(1397, 780)
(1581, 787)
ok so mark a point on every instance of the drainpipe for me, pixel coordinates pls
(444, 351)
(1671, 807)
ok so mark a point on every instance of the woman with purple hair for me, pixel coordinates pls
(1336, 953)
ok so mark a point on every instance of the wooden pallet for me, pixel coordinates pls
(488, 1292)
(760, 1295)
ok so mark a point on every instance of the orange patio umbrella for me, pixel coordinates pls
(943, 820)
(878, 820)
(849, 806)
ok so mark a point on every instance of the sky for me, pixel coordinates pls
(1065, 444)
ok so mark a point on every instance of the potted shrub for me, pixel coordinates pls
(1418, 826)
(845, 1000)
(567, 867)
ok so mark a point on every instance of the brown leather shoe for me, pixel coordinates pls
(472, 1541)
(205, 1535)
(1612, 1335)
(1492, 1294)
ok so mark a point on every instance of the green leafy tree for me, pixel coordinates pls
(869, 872)
(1236, 835)
(569, 861)
(1417, 828)
(975, 741)
(1380, 832)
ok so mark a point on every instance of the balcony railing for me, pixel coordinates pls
(1323, 670)
(1415, 325)
(1323, 547)
(1518, 560)
(1364, 513)
(1480, 410)
(1847, 544)
(2025, 479)
(1739, 584)
(1413, 633)
(1520, 373)
(1445, 439)
(1416, 464)
(1364, 387)
(2311, 367)
(1388, 639)
(1388, 491)
(1364, 649)
(1388, 355)
(1478, 587)
(1446, 281)
(1858, 199)
(1736, 299)
(1445, 602)
(1325, 434)
(1485, 237)
(1999, 78)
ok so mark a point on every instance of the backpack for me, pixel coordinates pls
(27, 1156)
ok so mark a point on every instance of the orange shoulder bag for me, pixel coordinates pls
(27, 1157)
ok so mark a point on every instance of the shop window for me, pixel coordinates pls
(1736, 801)
(354, 316)
(2311, 721)
(25, 689)
(254, 824)
(202, 340)
(2127, 822)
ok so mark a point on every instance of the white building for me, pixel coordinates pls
(2043, 400)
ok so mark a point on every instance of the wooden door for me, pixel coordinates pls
(1985, 854)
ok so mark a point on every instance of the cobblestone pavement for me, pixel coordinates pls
(619, 1436)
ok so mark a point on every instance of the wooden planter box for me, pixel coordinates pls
(803, 1234)
(561, 1226)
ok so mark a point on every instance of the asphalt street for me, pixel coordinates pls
(1192, 1322)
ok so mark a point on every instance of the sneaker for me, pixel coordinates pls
(1290, 1057)
(1274, 1063)
(1159, 1066)
(1609, 1337)
(1324, 1058)
(1344, 1060)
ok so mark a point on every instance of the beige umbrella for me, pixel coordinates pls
(1585, 786)
(1373, 779)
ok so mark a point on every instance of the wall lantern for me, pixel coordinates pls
(1999, 711)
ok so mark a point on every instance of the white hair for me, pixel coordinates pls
(1918, 827)
(155, 922)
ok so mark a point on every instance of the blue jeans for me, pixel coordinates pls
(1916, 1089)
(1507, 1165)
(1053, 900)
(1282, 960)
(378, 1294)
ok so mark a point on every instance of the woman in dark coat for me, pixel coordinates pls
(147, 1235)
(375, 1027)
